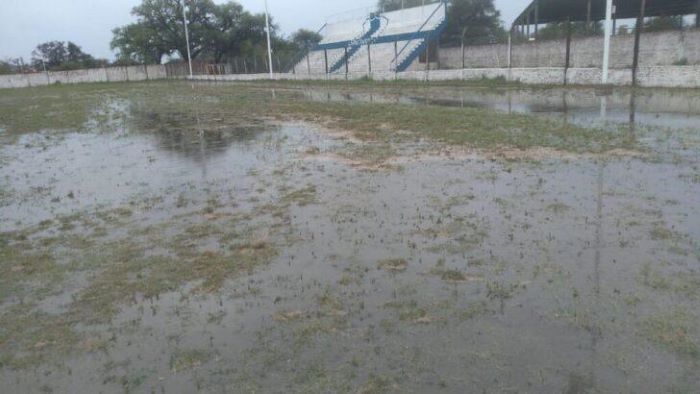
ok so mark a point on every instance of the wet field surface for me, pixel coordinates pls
(153, 251)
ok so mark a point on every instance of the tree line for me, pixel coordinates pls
(220, 33)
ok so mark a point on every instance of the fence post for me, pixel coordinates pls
(396, 55)
(510, 48)
(347, 68)
(369, 59)
(567, 62)
(697, 14)
(427, 54)
(588, 17)
(637, 38)
(325, 57)
(308, 61)
(245, 66)
(537, 18)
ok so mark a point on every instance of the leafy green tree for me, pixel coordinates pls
(554, 31)
(305, 39)
(661, 23)
(475, 21)
(137, 44)
(8, 67)
(59, 55)
(217, 32)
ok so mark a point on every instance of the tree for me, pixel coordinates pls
(59, 55)
(554, 31)
(8, 67)
(137, 44)
(305, 39)
(217, 32)
(661, 23)
(475, 21)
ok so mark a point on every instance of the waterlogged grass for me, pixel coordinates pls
(675, 330)
(44, 261)
(208, 107)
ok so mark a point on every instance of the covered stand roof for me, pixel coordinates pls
(549, 11)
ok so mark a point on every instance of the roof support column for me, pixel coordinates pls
(606, 42)
(537, 18)
(567, 62)
(529, 11)
(510, 49)
(637, 38)
(588, 17)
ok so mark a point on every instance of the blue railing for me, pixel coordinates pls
(408, 60)
(420, 34)
(354, 45)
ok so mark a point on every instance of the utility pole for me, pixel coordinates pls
(187, 37)
(269, 46)
(606, 44)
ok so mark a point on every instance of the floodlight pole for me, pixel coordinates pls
(606, 45)
(187, 37)
(269, 46)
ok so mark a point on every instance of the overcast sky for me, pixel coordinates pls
(89, 23)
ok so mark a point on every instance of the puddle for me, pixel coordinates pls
(446, 273)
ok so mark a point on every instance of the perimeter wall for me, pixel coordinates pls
(111, 74)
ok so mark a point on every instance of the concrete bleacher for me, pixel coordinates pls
(395, 41)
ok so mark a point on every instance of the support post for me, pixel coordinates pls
(588, 17)
(606, 41)
(187, 37)
(537, 18)
(427, 54)
(396, 55)
(510, 49)
(245, 66)
(697, 14)
(347, 68)
(567, 62)
(369, 57)
(528, 24)
(269, 45)
(325, 57)
(463, 51)
(637, 39)
(308, 61)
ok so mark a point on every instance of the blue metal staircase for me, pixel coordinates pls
(356, 44)
(423, 35)
(411, 57)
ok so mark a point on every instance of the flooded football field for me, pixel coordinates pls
(170, 238)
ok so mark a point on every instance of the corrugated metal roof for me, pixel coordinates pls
(577, 10)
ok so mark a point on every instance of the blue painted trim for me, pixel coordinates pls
(355, 45)
(406, 63)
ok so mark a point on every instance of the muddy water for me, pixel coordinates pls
(575, 274)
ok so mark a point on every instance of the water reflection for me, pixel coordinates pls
(586, 107)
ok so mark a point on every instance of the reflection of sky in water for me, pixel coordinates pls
(678, 110)
(111, 169)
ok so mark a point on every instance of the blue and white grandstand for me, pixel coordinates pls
(390, 41)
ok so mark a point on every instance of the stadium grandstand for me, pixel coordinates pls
(375, 41)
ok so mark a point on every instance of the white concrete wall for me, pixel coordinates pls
(111, 74)
(660, 76)
(656, 49)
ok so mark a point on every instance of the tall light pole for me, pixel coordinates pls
(187, 36)
(269, 45)
(606, 43)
